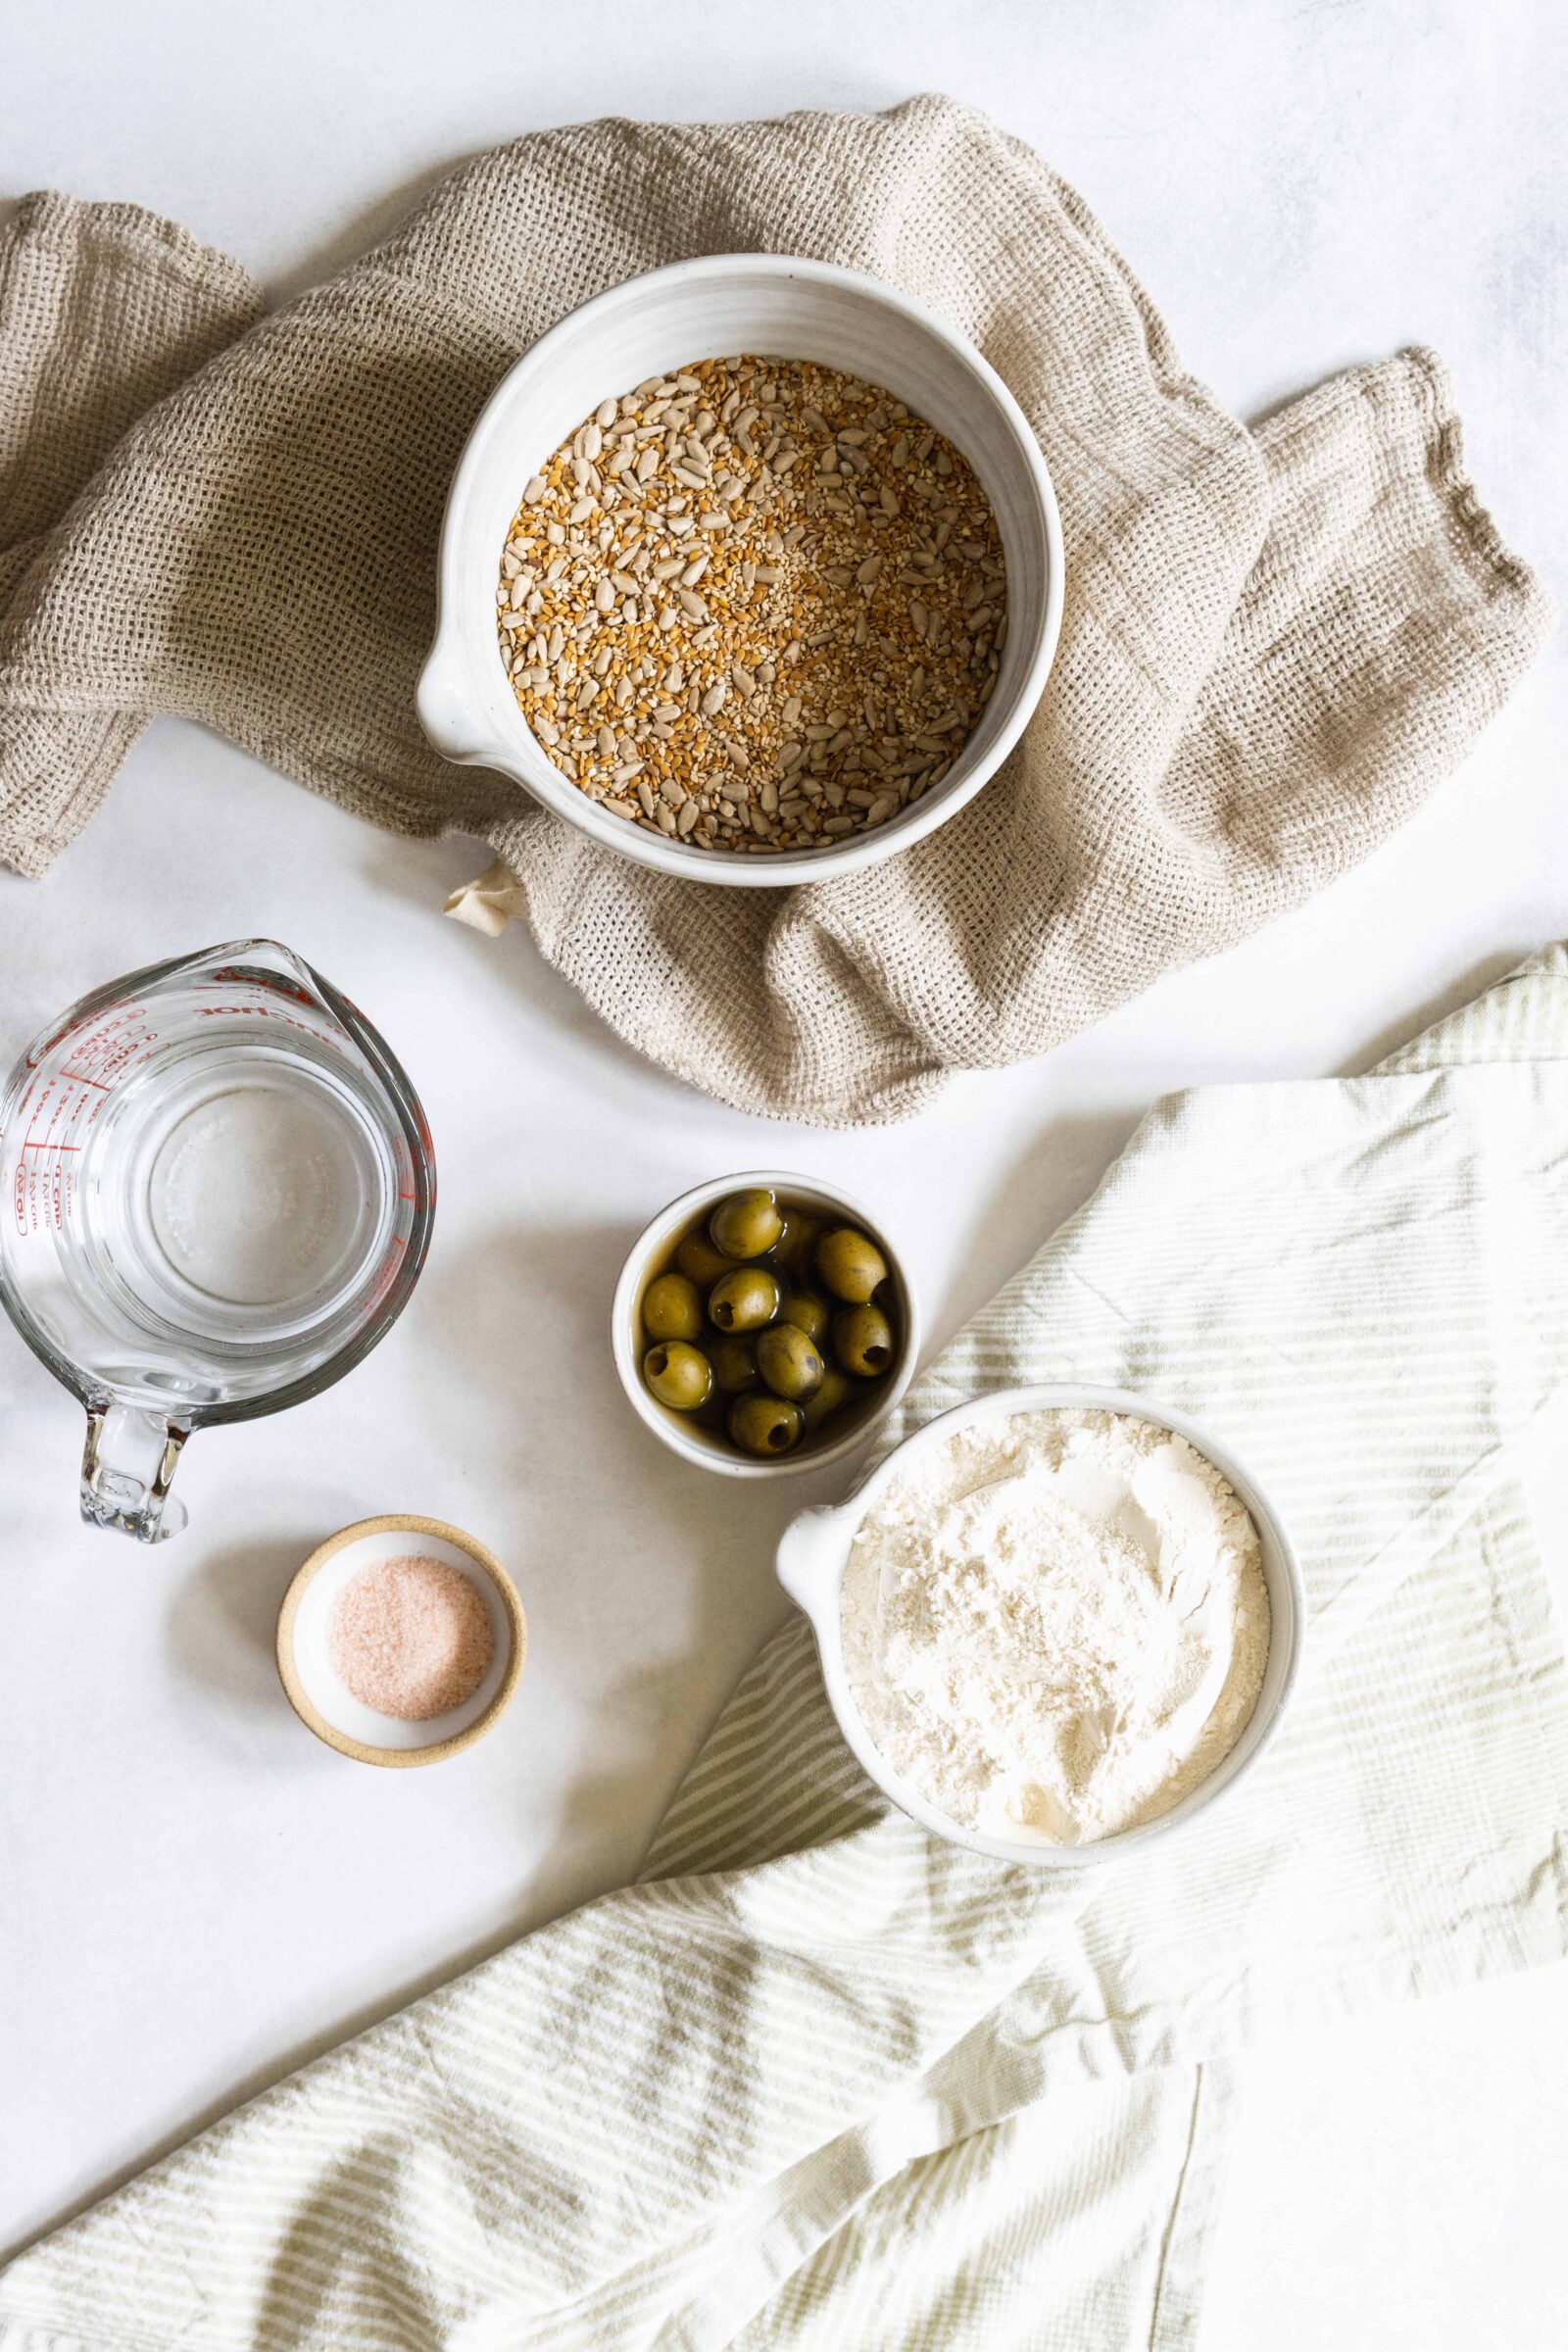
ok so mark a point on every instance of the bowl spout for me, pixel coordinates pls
(446, 715)
(811, 1558)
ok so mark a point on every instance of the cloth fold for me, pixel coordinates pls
(819, 2080)
(104, 309)
(1275, 643)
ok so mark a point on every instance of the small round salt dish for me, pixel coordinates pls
(315, 1688)
(815, 1555)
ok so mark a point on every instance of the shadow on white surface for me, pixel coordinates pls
(369, 224)
(422, 874)
(223, 1618)
(1452, 996)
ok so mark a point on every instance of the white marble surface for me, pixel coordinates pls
(193, 1894)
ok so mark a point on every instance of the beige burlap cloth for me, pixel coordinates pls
(1275, 641)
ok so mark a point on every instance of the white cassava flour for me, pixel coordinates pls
(1056, 1624)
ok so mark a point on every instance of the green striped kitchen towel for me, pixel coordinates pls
(823, 2083)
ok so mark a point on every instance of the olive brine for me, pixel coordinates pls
(770, 1323)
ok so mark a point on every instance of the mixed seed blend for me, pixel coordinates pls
(753, 606)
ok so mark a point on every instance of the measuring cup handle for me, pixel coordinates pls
(135, 1500)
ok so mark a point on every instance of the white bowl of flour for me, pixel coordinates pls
(1054, 1624)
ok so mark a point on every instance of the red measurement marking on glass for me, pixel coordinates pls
(386, 1277)
(46, 1145)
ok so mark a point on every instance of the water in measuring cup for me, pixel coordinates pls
(254, 1199)
(216, 1189)
(238, 1194)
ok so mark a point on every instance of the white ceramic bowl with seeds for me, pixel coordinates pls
(727, 304)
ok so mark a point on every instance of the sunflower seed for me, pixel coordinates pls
(599, 611)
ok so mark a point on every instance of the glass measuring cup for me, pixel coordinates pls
(218, 1188)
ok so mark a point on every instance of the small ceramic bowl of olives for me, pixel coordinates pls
(763, 1323)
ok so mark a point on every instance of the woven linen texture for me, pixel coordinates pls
(1275, 641)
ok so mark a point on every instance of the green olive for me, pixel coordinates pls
(698, 1258)
(863, 1340)
(673, 1309)
(789, 1360)
(733, 1356)
(762, 1424)
(745, 1299)
(831, 1397)
(851, 1264)
(796, 1242)
(679, 1375)
(808, 1311)
(745, 1224)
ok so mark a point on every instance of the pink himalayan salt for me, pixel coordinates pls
(410, 1638)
